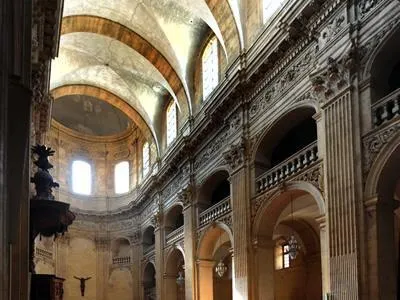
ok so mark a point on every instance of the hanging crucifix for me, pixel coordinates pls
(83, 282)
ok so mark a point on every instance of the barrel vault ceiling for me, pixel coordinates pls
(141, 52)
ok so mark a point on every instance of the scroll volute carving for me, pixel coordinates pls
(185, 196)
(236, 156)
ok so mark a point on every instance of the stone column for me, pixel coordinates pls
(135, 259)
(324, 244)
(342, 173)
(186, 197)
(264, 268)
(159, 254)
(205, 279)
(382, 269)
(102, 267)
(236, 158)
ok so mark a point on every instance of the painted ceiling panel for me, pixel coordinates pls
(171, 31)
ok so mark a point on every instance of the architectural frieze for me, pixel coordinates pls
(237, 155)
(375, 141)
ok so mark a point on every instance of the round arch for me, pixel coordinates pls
(99, 25)
(112, 99)
(311, 104)
(209, 234)
(371, 59)
(387, 152)
(273, 207)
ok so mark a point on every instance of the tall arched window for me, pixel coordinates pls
(171, 122)
(210, 67)
(81, 177)
(121, 177)
(270, 7)
(146, 159)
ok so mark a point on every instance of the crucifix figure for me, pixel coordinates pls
(83, 281)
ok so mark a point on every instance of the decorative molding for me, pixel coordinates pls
(236, 156)
(330, 80)
(331, 30)
(374, 142)
(313, 175)
(365, 51)
(186, 196)
(365, 6)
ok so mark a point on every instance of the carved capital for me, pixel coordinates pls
(156, 220)
(330, 80)
(186, 196)
(236, 156)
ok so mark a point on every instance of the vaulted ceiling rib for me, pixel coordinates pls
(140, 51)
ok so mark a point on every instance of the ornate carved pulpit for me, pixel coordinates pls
(48, 217)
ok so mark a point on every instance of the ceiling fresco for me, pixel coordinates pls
(90, 116)
(141, 51)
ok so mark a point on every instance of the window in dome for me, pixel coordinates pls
(81, 177)
(121, 177)
(146, 159)
(210, 67)
(270, 7)
(171, 122)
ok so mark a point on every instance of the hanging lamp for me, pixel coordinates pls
(292, 243)
(180, 280)
(220, 268)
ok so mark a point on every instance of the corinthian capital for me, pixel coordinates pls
(236, 156)
(186, 196)
(334, 77)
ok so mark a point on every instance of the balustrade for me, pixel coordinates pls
(386, 109)
(175, 235)
(123, 260)
(214, 212)
(294, 164)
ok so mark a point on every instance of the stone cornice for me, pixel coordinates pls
(259, 73)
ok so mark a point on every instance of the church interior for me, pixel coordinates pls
(200, 149)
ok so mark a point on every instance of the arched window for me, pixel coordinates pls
(171, 122)
(146, 159)
(81, 177)
(121, 177)
(210, 67)
(270, 7)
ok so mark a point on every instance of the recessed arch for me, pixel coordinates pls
(391, 151)
(274, 207)
(110, 98)
(289, 133)
(208, 236)
(371, 60)
(106, 27)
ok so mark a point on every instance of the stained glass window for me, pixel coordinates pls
(210, 67)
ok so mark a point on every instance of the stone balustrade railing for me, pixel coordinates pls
(289, 167)
(175, 235)
(148, 249)
(123, 260)
(214, 212)
(386, 109)
(43, 253)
